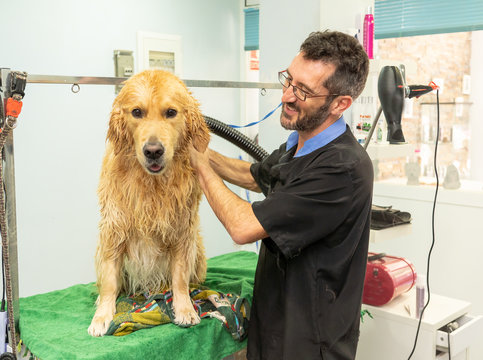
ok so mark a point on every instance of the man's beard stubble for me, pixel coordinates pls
(309, 122)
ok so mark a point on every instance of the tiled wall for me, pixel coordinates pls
(441, 56)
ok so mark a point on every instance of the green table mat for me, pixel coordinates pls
(54, 325)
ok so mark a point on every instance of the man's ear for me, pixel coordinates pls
(341, 104)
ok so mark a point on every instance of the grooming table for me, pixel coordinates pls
(54, 325)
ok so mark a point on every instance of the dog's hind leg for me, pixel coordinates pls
(181, 269)
(108, 282)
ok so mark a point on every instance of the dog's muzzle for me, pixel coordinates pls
(153, 153)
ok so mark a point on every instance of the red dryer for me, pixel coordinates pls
(386, 278)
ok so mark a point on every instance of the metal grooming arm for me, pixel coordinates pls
(77, 80)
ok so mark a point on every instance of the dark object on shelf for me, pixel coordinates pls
(383, 217)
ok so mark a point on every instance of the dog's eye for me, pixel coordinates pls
(171, 113)
(137, 113)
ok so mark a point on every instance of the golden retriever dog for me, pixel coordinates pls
(149, 197)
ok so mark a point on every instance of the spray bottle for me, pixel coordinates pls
(368, 33)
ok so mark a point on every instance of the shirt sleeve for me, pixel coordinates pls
(261, 170)
(306, 210)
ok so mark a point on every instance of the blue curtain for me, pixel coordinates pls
(251, 29)
(399, 18)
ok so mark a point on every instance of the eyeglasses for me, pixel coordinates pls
(298, 92)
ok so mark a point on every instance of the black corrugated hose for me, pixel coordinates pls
(237, 138)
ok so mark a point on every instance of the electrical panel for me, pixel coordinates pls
(123, 65)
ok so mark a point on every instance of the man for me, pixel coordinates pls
(314, 221)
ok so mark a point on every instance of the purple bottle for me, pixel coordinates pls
(420, 294)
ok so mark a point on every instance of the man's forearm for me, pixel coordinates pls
(234, 213)
(234, 171)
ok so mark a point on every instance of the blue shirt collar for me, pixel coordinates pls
(323, 138)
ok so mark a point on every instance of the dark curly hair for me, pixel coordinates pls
(348, 56)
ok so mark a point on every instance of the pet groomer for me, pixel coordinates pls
(314, 221)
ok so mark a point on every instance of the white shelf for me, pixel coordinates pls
(390, 233)
(441, 310)
(388, 151)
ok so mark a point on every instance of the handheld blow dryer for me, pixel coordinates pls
(392, 90)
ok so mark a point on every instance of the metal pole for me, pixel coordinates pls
(92, 80)
(373, 126)
(11, 212)
(8, 182)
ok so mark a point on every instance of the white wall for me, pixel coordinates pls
(60, 138)
(353, 14)
(476, 111)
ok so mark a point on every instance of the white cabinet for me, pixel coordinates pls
(391, 332)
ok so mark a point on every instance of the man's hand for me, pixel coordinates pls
(234, 213)
(199, 159)
(234, 171)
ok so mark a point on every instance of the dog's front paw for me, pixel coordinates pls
(186, 317)
(99, 325)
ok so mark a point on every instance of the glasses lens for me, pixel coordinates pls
(300, 94)
(283, 79)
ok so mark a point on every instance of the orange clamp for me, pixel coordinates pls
(433, 85)
(13, 107)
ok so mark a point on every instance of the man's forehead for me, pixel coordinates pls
(310, 73)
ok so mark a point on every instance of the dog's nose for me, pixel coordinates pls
(153, 151)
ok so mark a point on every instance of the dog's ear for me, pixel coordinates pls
(198, 131)
(117, 134)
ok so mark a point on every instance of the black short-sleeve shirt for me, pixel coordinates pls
(310, 272)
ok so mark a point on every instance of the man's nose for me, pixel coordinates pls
(288, 95)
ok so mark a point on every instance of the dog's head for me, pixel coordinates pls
(156, 117)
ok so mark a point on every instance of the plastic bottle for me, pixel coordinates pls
(368, 118)
(379, 132)
(356, 108)
(420, 294)
(359, 129)
(368, 33)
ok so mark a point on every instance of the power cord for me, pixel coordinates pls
(432, 230)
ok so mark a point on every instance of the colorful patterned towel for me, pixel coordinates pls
(145, 311)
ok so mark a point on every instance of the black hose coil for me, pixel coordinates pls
(237, 138)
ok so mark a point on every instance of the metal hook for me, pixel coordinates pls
(263, 91)
(11, 122)
(75, 88)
